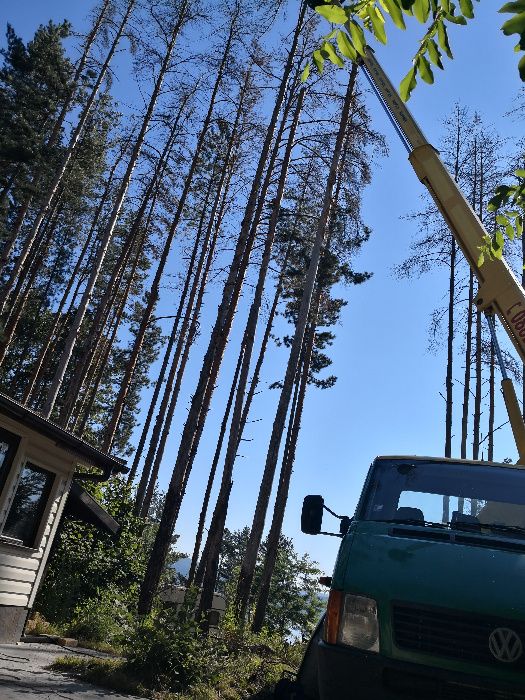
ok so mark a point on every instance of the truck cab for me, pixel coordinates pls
(427, 595)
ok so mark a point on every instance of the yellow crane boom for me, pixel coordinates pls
(499, 292)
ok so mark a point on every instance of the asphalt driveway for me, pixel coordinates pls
(23, 675)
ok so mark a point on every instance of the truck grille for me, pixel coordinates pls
(452, 634)
(410, 686)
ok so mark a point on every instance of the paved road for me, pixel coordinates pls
(23, 676)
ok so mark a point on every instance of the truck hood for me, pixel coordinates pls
(478, 573)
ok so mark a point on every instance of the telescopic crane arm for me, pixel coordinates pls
(499, 292)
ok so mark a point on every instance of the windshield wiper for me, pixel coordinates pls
(517, 529)
(412, 521)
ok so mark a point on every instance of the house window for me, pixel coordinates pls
(28, 506)
(8, 447)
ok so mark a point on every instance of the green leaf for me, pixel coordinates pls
(407, 5)
(521, 68)
(407, 84)
(518, 6)
(306, 73)
(434, 53)
(500, 241)
(456, 20)
(514, 25)
(443, 39)
(425, 71)
(509, 231)
(331, 55)
(481, 259)
(333, 13)
(502, 220)
(520, 172)
(518, 223)
(467, 8)
(345, 46)
(358, 37)
(447, 6)
(318, 60)
(378, 23)
(421, 10)
(394, 10)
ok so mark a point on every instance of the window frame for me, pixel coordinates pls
(42, 515)
(15, 440)
(39, 456)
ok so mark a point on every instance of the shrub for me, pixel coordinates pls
(167, 651)
(37, 624)
(105, 618)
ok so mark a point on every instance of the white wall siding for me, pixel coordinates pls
(14, 599)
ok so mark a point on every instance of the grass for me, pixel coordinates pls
(107, 673)
(248, 674)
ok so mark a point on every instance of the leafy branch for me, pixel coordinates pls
(509, 204)
(355, 19)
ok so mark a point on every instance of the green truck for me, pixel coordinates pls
(427, 598)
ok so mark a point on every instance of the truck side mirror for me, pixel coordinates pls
(344, 525)
(312, 515)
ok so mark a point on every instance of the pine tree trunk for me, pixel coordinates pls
(211, 478)
(492, 397)
(108, 234)
(186, 333)
(222, 191)
(155, 286)
(213, 356)
(92, 386)
(281, 499)
(207, 397)
(246, 409)
(250, 556)
(136, 238)
(41, 364)
(148, 479)
(221, 508)
(450, 333)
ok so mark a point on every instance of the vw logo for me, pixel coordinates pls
(505, 645)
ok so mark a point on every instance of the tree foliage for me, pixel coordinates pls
(295, 604)
(357, 20)
(90, 568)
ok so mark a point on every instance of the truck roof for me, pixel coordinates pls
(452, 460)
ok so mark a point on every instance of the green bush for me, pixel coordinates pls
(105, 618)
(167, 651)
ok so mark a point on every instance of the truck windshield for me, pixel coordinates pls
(447, 494)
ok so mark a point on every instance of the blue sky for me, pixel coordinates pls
(387, 398)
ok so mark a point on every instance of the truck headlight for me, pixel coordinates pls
(352, 620)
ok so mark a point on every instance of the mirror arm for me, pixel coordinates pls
(339, 517)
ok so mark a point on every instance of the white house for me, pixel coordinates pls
(38, 461)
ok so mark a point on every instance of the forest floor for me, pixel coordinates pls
(24, 674)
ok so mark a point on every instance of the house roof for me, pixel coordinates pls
(82, 506)
(87, 454)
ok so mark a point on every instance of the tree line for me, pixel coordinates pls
(230, 179)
